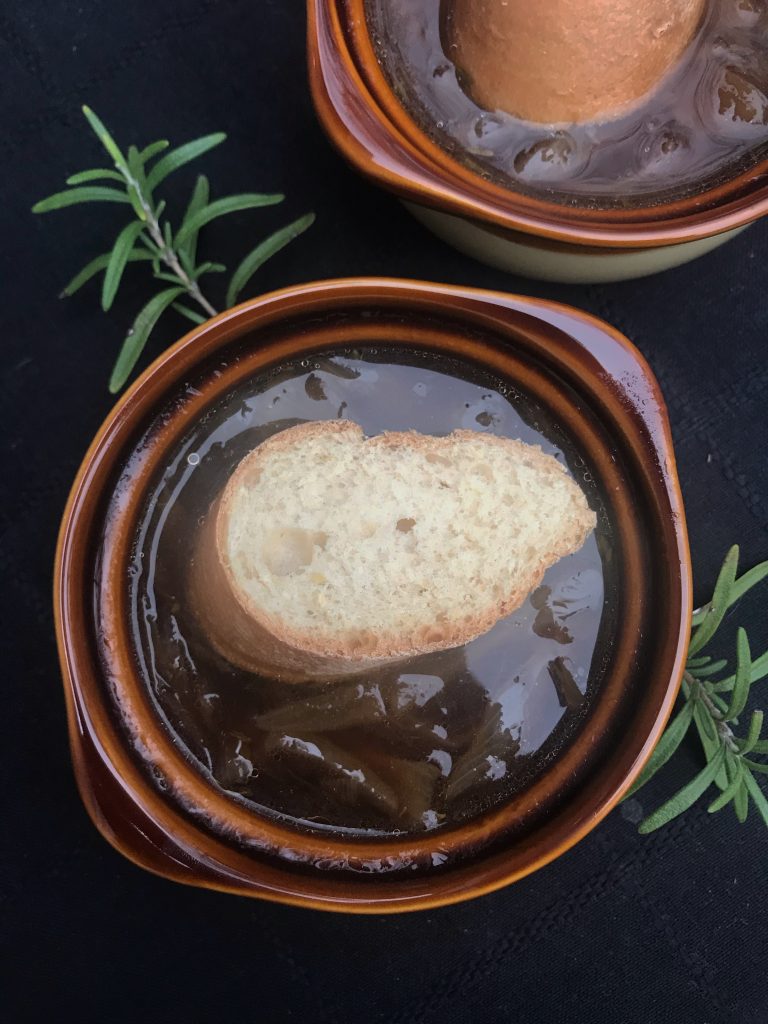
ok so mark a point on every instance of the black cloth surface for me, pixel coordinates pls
(623, 929)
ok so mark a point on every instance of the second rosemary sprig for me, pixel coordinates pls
(715, 705)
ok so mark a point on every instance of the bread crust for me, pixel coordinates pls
(246, 635)
(561, 62)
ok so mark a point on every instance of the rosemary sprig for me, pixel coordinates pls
(150, 238)
(730, 760)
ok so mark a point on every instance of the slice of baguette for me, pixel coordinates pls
(328, 554)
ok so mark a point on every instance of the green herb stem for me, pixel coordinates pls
(169, 257)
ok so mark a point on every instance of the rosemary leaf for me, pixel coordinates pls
(138, 193)
(200, 197)
(86, 194)
(750, 579)
(719, 703)
(190, 314)
(707, 731)
(758, 797)
(729, 793)
(742, 586)
(743, 677)
(719, 605)
(741, 801)
(667, 745)
(118, 259)
(150, 243)
(759, 671)
(698, 662)
(178, 157)
(96, 174)
(706, 726)
(708, 670)
(106, 139)
(209, 268)
(263, 251)
(136, 167)
(132, 194)
(99, 263)
(687, 796)
(749, 743)
(761, 747)
(755, 766)
(187, 264)
(138, 335)
(220, 207)
(699, 615)
(153, 149)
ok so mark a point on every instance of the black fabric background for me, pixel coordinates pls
(623, 929)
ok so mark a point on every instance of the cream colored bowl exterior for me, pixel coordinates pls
(568, 267)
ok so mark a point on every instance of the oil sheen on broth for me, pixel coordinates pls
(708, 119)
(428, 743)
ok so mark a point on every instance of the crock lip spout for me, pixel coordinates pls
(155, 825)
(373, 131)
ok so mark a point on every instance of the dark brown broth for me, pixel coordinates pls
(433, 741)
(708, 119)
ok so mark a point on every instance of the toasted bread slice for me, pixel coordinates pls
(328, 554)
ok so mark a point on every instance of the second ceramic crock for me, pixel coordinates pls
(522, 234)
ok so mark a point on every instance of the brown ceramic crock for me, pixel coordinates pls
(521, 233)
(144, 792)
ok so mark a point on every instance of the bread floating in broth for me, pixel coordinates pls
(329, 553)
(560, 61)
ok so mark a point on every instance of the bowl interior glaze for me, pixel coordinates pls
(140, 785)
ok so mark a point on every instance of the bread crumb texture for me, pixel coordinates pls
(399, 543)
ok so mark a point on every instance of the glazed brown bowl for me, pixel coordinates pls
(143, 789)
(517, 232)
